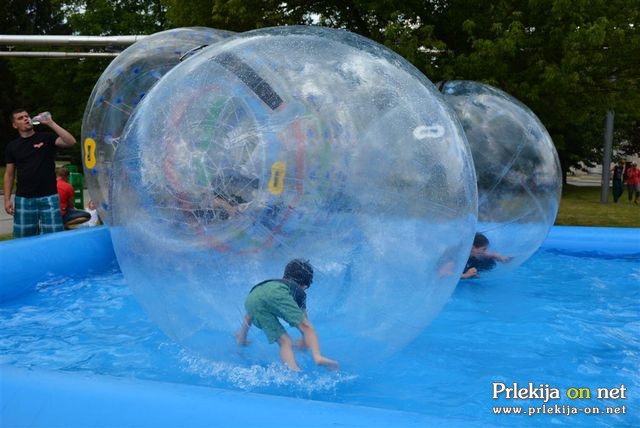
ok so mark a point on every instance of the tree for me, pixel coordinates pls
(63, 86)
(234, 15)
(22, 17)
(630, 139)
(115, 17)
(569, 61)
(32, 17)
(394, 24)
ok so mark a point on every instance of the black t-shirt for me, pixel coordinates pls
(297, 292)
(481, 264)
(34, 158)
(617, 173)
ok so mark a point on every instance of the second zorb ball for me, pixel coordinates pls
(295, 142)
(119, 90)
(517, 167)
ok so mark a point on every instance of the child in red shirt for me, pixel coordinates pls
(70, 215)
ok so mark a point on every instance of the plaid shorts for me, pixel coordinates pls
(33, 216)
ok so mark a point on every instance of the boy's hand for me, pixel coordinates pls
(504, 259)
(470, 273)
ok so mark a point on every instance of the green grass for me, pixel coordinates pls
(580, 206)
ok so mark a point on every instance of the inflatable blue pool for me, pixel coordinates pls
(567, 319)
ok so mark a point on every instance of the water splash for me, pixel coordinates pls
(258, 377)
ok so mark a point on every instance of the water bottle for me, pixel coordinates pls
(45, 115)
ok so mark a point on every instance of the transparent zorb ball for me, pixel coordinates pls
(517, 167)
(119, 90)
(294, 142)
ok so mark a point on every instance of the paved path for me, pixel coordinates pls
(585, 180)
(6, 223)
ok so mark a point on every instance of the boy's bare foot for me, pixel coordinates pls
(328, 363)
(293, 367)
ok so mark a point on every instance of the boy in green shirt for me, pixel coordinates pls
(286, 299)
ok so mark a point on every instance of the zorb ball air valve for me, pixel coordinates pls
(517, 167)
(294, 142)
(119, 90)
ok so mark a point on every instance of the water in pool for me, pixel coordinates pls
(561, 321)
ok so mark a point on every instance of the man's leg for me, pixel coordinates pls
(50, 217)
(25, 217)
(617, 191)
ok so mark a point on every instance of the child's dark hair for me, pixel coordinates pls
(480, 241)
(299, 271)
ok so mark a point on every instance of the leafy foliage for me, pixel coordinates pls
(63, 86)
(570, 61)
(115, 17)
(22, 17)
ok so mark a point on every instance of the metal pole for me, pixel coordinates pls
(11, 40)
(117, 42)
(606, 158)
(35, 54)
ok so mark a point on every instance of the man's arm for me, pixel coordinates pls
(65, 139)
(9, 177)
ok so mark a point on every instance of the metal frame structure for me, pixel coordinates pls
(112, 45)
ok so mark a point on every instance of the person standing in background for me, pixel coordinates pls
(31, 156)
(617, 180)
(632, 174)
